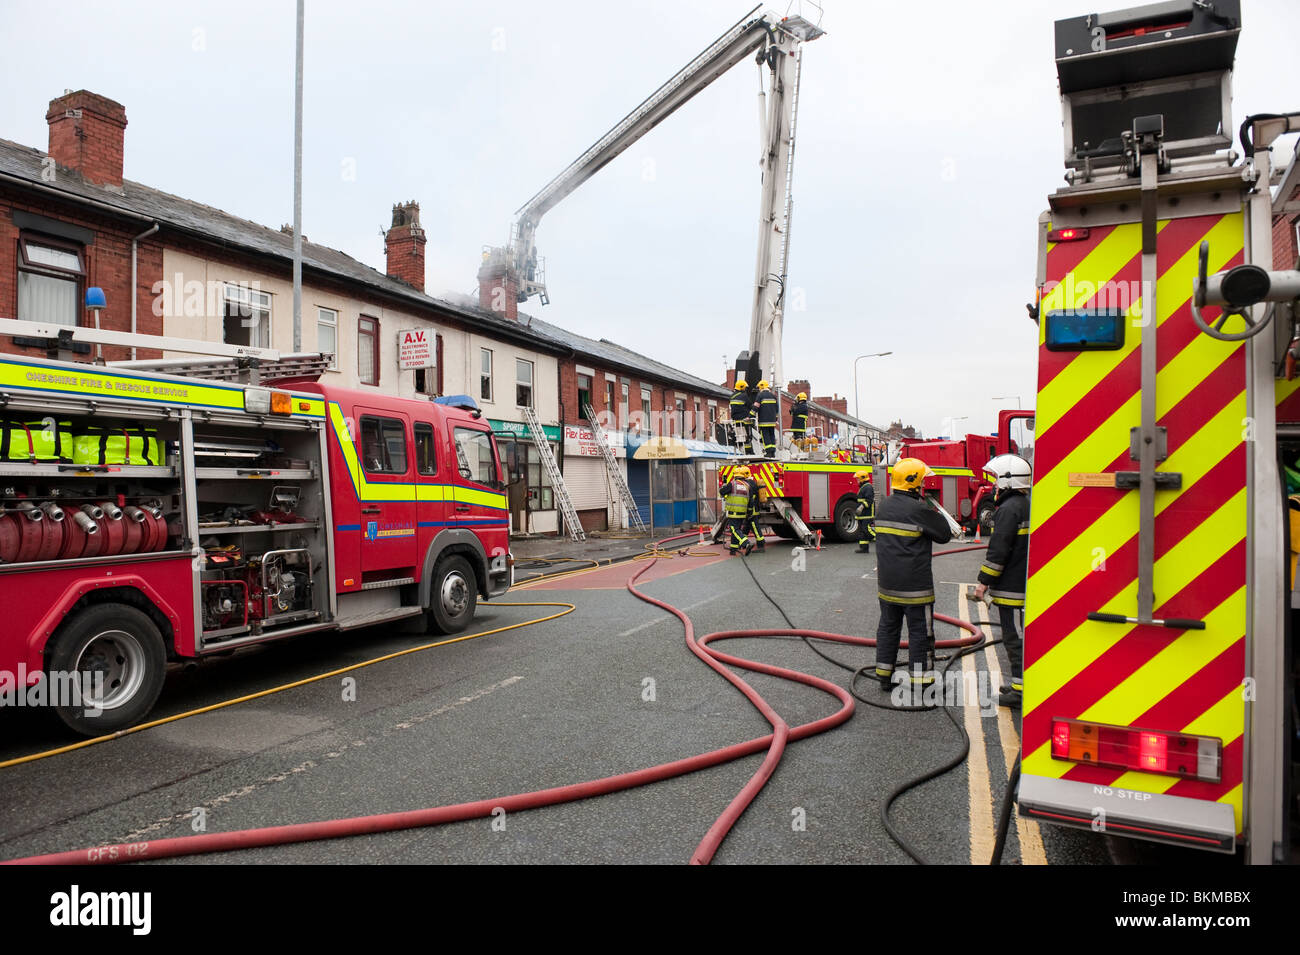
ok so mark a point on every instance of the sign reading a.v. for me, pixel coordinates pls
(415, 348)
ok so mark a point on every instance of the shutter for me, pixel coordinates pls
(587, 482)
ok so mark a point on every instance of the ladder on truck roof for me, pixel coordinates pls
(615, 475)
(572, 524)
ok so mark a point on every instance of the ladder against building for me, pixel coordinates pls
(615, 474)
(571, 522)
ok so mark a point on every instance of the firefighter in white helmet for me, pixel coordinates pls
(907, 527)
(1006, 564)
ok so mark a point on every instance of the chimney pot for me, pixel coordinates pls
(87, 135)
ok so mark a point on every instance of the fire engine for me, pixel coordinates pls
(1158, 696)
(148, 517)
(958, 481)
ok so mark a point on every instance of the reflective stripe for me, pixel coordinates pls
(1010, 601)
(884, 529)
(884, 670)
(986, 569)
(901, 526)
(909, 598)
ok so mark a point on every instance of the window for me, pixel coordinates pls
(49, 282)
(523, 383)
(681, 417)
(609, 395)
(645, 409)
(426, 455)
(383, 445)
(485, 374)
(327, 335)
(697, 426)
(248, 316)
(584, 395)
(368, 350)
(623, 408)
(474, 456)
(524, 465)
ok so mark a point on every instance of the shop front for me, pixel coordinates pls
(528, 487)
(587, 478)
(675, 480)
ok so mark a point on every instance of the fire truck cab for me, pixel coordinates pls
(1159, 693)
(147, 518)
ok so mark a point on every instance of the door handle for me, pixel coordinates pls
(371, 510)
(464, 508)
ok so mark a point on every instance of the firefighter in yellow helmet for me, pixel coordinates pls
(768, 418)
(907, 527)
(799, 419)
(738, 501)
(742, 411)
(866, 512)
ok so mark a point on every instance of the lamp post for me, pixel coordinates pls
(952, 422)
(879, 354)
(1005, 397)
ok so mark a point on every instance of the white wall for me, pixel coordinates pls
(191, 300)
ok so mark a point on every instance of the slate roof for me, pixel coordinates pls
(215, 226)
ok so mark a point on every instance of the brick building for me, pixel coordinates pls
(1286, 217)
(70, 220)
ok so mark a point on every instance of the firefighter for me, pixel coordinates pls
(741, 408)
(866, 511)
(1006, 564)
(799, 419)
(751, 522)
(768, 418)
(907, 527)
(738, 500)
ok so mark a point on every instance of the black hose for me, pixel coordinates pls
(1004, 814)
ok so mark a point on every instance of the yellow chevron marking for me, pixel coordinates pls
(1173, 666)
(1175, 570)
(1283, 389)
(1173, 286)
(1113, 528)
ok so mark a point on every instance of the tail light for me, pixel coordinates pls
(1144, 751)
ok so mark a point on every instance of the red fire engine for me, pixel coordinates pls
(958, 480)
(149, 517)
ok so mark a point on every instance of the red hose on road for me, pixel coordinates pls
(774, 743)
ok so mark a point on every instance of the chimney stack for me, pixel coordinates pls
(87, 133)
(498, 284)
(404, 243)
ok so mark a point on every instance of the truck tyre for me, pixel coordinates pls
(846, 520)
(987, 509)
(454, 595)
(124, 645)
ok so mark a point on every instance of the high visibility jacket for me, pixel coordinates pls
(738, 498)
(799, 417)
(741, 406)
(767, 407)
(906, 530)
(1007, 562)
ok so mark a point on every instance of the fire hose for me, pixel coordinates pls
(774, 743)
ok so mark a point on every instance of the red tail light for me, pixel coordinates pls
(1147, 751)
(1067, 235)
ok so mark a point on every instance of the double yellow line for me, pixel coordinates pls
(569, 608)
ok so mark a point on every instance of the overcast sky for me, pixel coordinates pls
(926, 148)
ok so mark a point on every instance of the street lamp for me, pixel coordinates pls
(879, 354)
(1005, 397)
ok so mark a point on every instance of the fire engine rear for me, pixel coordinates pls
(1158, 696)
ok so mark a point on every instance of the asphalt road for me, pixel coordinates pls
(559, 702)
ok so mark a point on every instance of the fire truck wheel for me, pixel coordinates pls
(987, 509)
(846, 520)
(454, 595)
(117, 655)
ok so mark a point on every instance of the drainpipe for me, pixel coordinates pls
(135, 293)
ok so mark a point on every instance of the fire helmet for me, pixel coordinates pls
(909, 474)
(862, 476)
(740, 384)
(762, 384)
(802, 396)
(1009, 472)
(742, 472)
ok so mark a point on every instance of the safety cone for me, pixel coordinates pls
(701, 535)
(977, 531)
